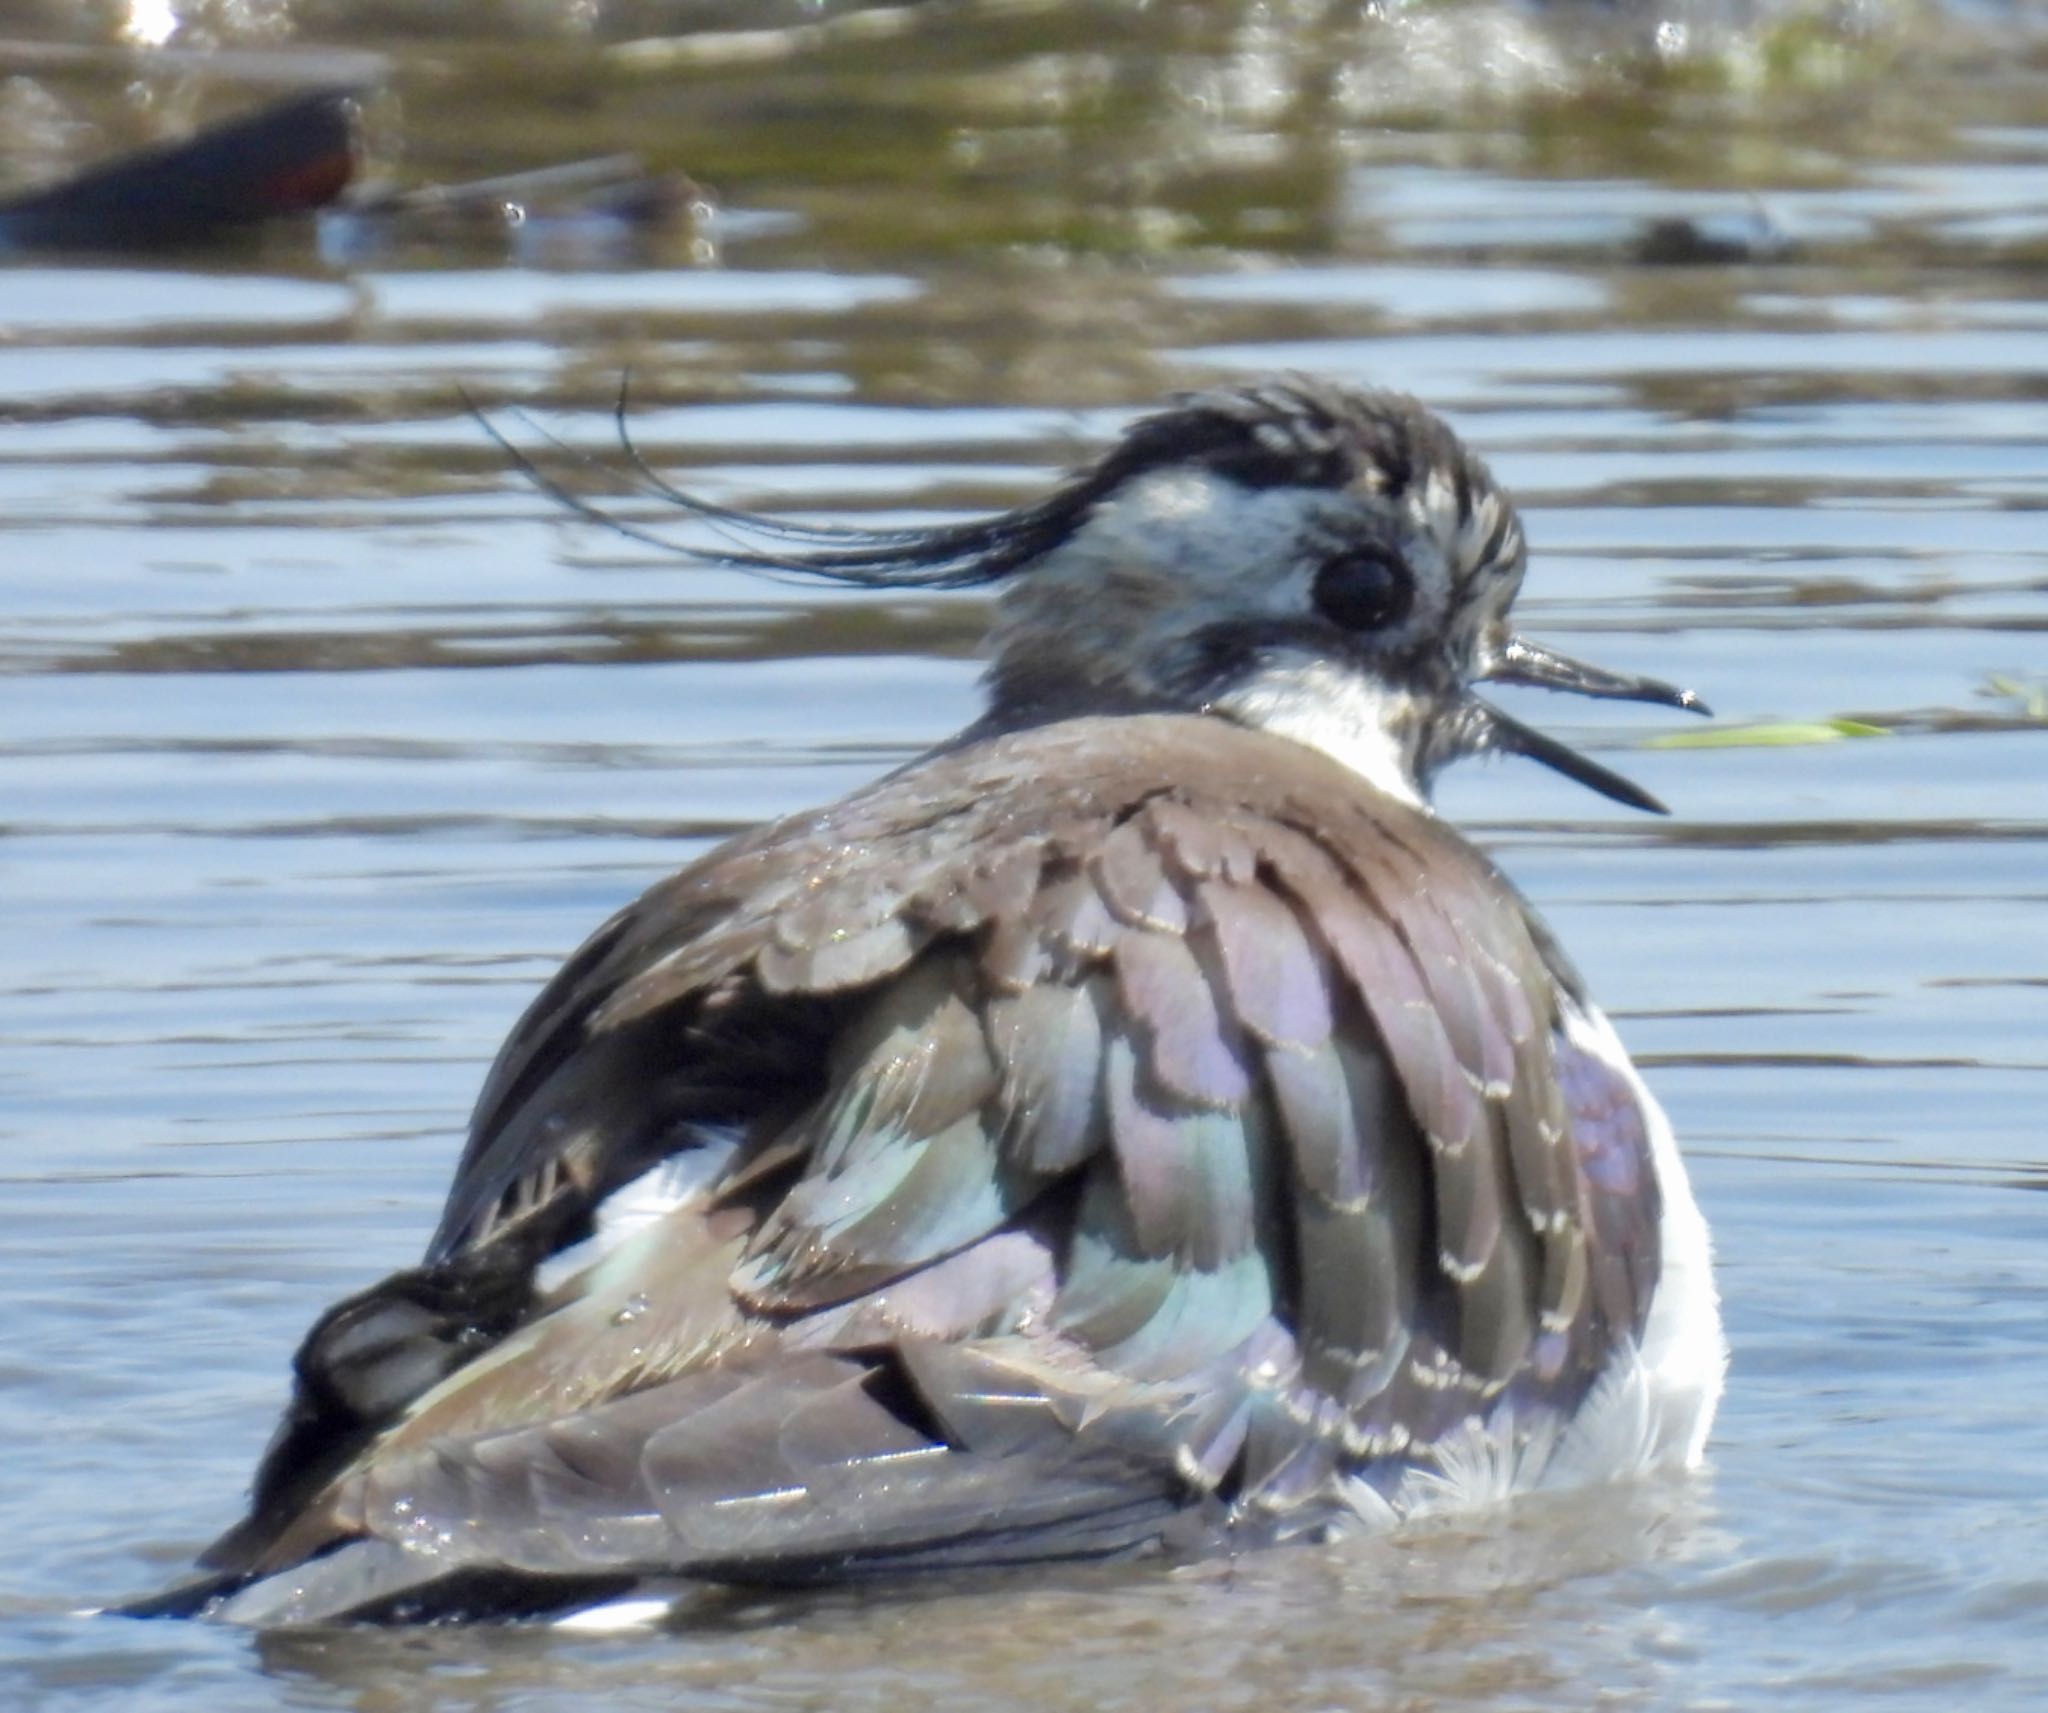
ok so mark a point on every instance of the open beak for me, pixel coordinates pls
(1522, 662)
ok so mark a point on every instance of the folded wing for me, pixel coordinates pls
(1129, 1136)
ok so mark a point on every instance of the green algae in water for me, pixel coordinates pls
(1778, 734)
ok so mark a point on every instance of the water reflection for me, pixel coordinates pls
(1482, 1614)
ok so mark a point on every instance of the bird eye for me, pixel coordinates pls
(1363, 589)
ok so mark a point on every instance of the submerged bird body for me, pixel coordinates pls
(1141, 1124)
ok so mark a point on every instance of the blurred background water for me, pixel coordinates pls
(323, 736)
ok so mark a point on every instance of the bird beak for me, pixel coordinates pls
(1498, 731)
(1522, 662)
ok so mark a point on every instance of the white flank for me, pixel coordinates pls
(1683, 1356)
(1653, 1406)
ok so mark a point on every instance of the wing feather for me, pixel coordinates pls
(1273, 973)
(1048, 1041)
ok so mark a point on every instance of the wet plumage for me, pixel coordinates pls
(1139, 1125)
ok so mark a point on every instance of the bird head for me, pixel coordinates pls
(1328, 563)
(1324, 562)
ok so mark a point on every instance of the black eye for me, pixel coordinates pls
(1363, 589)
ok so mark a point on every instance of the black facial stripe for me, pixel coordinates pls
(1264, 437)
(1295, 433)
(1231, 650)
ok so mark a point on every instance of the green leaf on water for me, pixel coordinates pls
(2028, 697)
(1775, 735)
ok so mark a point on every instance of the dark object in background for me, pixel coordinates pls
(291, 157)
(300, 156)
(1681, 242)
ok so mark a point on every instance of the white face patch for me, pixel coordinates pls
(1171, 553)
(1350, 718)
(1205, 538)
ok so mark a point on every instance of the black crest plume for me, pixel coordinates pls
(1294, 432)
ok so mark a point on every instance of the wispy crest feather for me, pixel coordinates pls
(943, 556)
(1295, 431)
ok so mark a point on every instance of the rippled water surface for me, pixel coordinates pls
(323, 736)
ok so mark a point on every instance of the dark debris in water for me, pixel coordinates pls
(287, 158)
(302, 154)
(1687, 242)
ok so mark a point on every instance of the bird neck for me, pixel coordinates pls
(1374, 729)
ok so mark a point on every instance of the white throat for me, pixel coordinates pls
(1350, 719)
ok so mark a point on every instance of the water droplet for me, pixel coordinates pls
(631, 1309)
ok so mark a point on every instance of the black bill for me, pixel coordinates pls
(1523, 662)
(1519, 661)
(1509, 736)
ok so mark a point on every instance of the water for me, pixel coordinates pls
(323, 736)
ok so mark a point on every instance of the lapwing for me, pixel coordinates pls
(1140, 1126)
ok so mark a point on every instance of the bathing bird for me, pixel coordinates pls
(1141, 1126)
